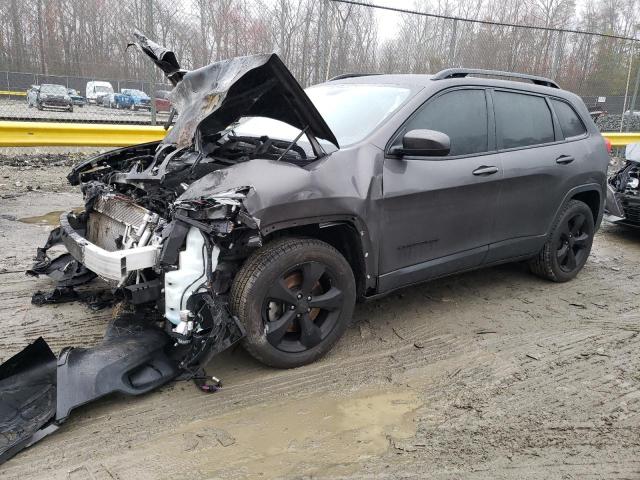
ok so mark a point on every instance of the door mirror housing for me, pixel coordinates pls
(423, 143)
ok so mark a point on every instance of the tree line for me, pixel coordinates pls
(319, 39)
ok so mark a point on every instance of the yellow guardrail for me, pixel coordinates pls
(618, 139)
(11, 92)
(37, 134)
(51, 134)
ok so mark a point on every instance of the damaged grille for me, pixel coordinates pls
(110, 219)
(631, 208)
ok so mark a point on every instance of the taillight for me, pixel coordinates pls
(607, 142)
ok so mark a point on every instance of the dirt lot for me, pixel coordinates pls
(491, 374)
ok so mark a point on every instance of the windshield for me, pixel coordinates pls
(102, 89)
(53, 89)
(134, 93)
(352, 112)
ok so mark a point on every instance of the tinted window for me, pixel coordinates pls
(461, 114)
(522, 119)
(570, 123)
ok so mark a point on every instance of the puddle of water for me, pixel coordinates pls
(331, 435)
(51, 218)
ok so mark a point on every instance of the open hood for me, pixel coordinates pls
(211, 98)
(165, 59)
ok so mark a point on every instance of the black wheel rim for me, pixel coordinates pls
(302, 307)
(573, 243)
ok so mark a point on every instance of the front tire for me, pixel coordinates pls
(295, 298)
(568, 246)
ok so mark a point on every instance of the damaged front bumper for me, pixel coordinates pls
(111, 265)
(623, 196)
(173, 322)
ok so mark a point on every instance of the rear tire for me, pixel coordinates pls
(295, 297)
(568, 245)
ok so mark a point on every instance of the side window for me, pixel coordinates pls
(522, 120)
(570, 123)
(461, 114)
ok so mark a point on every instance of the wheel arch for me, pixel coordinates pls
(591, 195)
(593, 200)
(346, 234)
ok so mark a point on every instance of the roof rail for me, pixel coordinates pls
(463, 72)
(351, 75)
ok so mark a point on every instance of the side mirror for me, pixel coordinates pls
(424, 143)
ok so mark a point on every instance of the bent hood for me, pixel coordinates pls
(213, 97)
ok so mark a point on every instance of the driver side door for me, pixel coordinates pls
(439, 212)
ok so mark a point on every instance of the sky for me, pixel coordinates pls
(388, 20)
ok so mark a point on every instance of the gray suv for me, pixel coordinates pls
(281, 207)
(268, 210)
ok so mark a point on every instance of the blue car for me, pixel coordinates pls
(116, 100)
(139, 98)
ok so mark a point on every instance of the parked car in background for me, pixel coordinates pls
(53, 96)
(96, 90)
(76, 98)
(138, 97)
(116, 100)
(32, 95)
(163, 104)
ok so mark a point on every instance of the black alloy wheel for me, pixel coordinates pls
(302, 307)
(295, 298)
(573, 243)
(568, 244)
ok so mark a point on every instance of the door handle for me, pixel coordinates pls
(564, 159)
(485, 170)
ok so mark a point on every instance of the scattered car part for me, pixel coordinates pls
(623, 190)
(37, 392)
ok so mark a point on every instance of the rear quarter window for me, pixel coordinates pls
(522, 120)
(570, 122)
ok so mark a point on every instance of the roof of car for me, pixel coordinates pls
(477, 76)
(408, 79)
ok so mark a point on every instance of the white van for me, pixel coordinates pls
(96, 90)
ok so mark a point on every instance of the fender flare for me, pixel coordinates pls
(587, 187)
(369, 253)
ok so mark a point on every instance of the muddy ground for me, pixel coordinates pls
(487, 375)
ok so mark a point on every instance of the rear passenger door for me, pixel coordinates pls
(538, 165)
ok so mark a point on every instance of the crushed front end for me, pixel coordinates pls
(166, 226)
(623, 195)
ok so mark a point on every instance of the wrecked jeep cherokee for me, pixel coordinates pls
(267, 211)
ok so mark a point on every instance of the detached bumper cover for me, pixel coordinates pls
(37, 392)
(114, 265)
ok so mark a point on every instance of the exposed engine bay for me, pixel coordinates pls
(166, 238)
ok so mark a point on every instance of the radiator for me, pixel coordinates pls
(108, 222)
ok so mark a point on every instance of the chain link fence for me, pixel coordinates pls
(75, 42)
